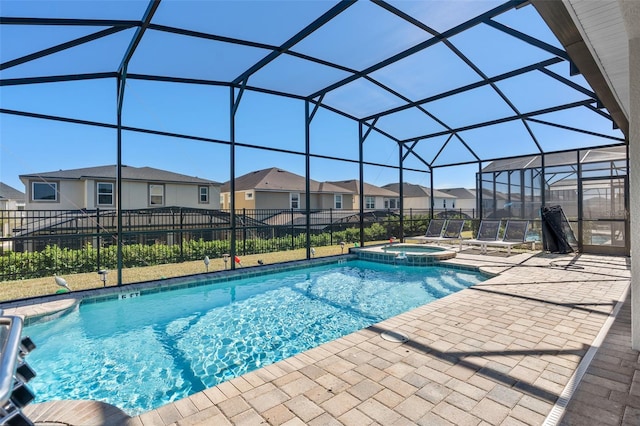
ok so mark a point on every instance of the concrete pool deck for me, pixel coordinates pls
(499, 353)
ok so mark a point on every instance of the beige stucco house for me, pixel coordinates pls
(419, 197)
(375, 197)
(465, 198)
(11, 198)
(275, 188)
(95, 187)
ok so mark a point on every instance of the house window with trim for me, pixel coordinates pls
(44, 191)
(203, 194)
(156, 194)
(337, 201)
(391, 203)
(248, 195)
(294, 200)
(369, 202)
(104, 192)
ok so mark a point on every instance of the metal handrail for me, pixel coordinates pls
(9, 357)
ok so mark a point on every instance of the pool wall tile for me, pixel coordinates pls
(157, 286)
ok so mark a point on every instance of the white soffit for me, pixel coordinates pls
(601, 25)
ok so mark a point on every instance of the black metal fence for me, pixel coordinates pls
(38, 243)
(46, 242)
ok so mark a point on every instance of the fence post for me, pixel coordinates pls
(293, 247)
(98, 239)
(411, 227)
(331, 225)
(244, 231)
(181, 240)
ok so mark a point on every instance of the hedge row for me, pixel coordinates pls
(55, 260)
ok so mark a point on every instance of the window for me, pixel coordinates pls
(248, 195)
(369, 202)
(203, 194)
(44, 191)
(390, 203)
(156, 195)
(338, 201)
(105, 193)
(222, 200)
(294, 200)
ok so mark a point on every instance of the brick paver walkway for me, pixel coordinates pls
(610, 390)
(499, 353)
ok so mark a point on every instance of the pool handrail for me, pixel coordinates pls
(9, 357)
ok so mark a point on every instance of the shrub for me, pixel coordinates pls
(56, 260)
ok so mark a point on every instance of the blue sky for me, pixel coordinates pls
(359, 37)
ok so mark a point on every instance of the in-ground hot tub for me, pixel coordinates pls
(406, 254)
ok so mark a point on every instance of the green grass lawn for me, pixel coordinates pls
(11, 290)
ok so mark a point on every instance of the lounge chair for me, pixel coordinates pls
(434, 230)
(452, 231)
(515, 233)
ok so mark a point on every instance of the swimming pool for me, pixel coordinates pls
(143, 352)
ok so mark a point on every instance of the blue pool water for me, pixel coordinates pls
(143, 352)
(413, 248)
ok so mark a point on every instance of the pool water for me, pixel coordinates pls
(143, 352)
(412, 248)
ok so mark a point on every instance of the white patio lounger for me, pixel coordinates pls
(515, 233)
(452, 231)
(434, 230)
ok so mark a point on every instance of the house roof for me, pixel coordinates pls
(353, 185)
(599, 155)
(147, 174)
(410, 190)
(276, 179)
(460, 193)
(9, 193)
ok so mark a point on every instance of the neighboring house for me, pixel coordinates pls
(465, 198)
(374, 196)
(95, 187)
(492, 202)
(419, 197)
(275, 188)
(11, 198)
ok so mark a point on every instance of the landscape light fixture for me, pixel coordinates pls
(103, 276)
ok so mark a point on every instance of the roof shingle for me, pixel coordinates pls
(128, 173)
